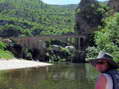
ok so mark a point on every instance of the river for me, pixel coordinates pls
(58, 76)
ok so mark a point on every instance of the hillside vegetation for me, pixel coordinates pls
(19, 18)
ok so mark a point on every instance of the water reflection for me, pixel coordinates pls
(60, 76)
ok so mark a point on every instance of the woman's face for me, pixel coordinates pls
(102, 66)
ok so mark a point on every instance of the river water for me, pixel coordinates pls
(58, 76)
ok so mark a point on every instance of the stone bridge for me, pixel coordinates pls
(34, 41)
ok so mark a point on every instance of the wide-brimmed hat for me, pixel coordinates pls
(104, 56)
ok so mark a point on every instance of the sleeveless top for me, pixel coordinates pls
(109, 84)
(114, 74)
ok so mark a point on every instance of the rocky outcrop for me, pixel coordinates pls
(87, 17)
(114, 4)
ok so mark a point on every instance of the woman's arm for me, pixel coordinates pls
(101, 82)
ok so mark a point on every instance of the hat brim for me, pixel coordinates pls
(111, 62)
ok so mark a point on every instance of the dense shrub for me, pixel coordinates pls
(107, 39)
(4, 54)
(2, 45)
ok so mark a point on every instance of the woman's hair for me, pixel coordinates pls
(112, 66)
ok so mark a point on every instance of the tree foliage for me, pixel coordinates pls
(108, 38)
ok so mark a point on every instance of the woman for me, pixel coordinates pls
(109, 77)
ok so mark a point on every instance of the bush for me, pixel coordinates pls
(2, 45)
(92, 52)
(6, 54)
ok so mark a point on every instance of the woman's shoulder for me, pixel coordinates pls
(102, 78)
(105, 75)
(101, 82)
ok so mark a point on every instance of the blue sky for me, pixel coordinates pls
(62, 2)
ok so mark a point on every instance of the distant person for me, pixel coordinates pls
(109, 77)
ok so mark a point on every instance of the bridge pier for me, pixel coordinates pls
(81, 44)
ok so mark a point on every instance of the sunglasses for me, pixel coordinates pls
(101, 62)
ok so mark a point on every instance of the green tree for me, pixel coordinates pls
(108, 38)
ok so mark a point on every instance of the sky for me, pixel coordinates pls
(63, 2)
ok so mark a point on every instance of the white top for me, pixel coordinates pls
(109, 81)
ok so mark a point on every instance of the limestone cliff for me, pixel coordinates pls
(114, 4)
(87, 17)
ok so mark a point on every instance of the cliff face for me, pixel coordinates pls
(114, 4)
(87, 17)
